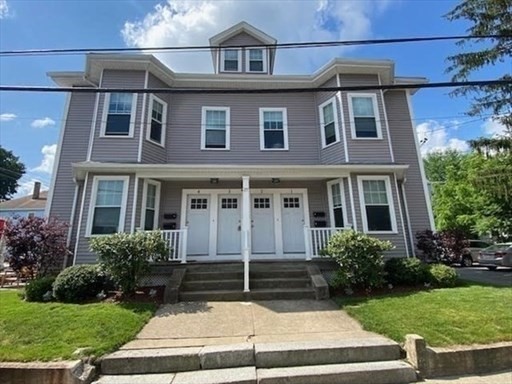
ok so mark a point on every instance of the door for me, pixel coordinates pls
(262, 212)
(292, 212)
(198, 222)
(229, 225)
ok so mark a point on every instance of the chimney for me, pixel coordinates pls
(37, 189)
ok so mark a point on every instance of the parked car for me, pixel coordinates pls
(471, 254)
(497, 255)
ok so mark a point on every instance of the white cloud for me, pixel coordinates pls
(41, 123)
(4, 9)
(46, 165)
(7, 116)
(26, 187)
(433, 137)
(185, 23)
(493, 127)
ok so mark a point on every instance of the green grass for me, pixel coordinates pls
(472, 314)
(53, 331)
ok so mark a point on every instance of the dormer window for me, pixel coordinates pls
(256, 60)
(231, 60)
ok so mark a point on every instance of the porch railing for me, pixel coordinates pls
(177, 241)
(317, 239)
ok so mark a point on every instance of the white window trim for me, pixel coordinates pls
(322, 122)
(248, 63)
(376, 111)
(106, 102)
(222, 59)
(203, 128)
(92, 202)
(285, 129)
(343, 202)
(153, 98)
(391, 204)
(158, 186)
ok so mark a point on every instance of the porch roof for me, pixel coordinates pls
(235, 172)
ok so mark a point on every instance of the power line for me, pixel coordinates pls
(292, 45)
(22, 88)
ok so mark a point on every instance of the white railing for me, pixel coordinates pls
(317, 239)
(177, 241)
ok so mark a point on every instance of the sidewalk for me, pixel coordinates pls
(494, 378)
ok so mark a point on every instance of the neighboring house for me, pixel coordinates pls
(26, 206)
(273, 173)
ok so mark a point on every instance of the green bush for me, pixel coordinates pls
(442, 276)
(126, 256)
(81, 282)
(406, 271)
(360, 259)
(37, 289)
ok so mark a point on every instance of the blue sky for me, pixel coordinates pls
(30, 122)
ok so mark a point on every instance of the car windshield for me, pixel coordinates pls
(498, 247)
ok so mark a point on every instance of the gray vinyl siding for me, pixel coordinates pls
(126, 148)
(153, 153)
(365, 151)
(239, 40)
(184, 142)
(138, 206)
(73, 150)
(83, 254)
(407, 227)
(403, 137)
(396, 239)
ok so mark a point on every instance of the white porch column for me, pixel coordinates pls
(246, 229)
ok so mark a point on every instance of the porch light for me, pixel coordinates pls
(276, 180)
(214, 180)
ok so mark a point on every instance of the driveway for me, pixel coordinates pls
(501, 276)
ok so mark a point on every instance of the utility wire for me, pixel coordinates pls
(309, 44)
(22, 88)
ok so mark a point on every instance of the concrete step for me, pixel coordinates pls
(245, 375)
(158, 378)
(217, 295)
(216, 267)
(289, 354)
(212, 285)
(282, 294)
(301, 282)
(382, 372)
(278, 273)
(216, 275)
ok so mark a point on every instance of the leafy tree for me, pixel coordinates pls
(11, 170)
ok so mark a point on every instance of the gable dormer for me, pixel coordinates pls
(255, 57)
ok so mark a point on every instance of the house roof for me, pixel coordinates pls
(25, 203)
(239, 28)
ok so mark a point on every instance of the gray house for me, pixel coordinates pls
(272, 175)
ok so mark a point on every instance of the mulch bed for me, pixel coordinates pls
(142, 295)
(375, 292)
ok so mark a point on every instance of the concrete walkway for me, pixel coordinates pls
(212, 323)
(494, 378)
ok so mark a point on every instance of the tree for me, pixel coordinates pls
(11, 170)
(487, 17)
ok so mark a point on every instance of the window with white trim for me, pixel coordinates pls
(119, 110)
(273, 129)
(157, 120)
(108, 205)
(376, 204)
(329, 122)
(364, 119)
(151, 201)
(256, 60)
(231, 59)
(215, 128)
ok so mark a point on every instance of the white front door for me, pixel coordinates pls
(229, 225)
(263, 236)
(198, 222)
(292, 213)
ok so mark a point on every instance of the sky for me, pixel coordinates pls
(30, 122)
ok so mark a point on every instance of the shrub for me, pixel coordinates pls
(126, 256)
(429, 243)
(360, 259)
(406, 271)
(35, 245)
(453, 242)
(80, 282)
(39, 289)
(442, 276)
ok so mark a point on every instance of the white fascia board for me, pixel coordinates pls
(239, 28)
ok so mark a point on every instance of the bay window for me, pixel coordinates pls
(119, 114)
(377, 208)
(364, 117)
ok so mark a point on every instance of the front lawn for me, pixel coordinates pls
(53, 331)
(472, 314)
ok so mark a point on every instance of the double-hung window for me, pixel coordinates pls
(120, 109)
(364, 119)
(108, 205)
(157, 120)
(151, 203)
(215, 128)
(273, 129)
(329, 122)
(256, 60)
(231, 60)
(336, 201)
(377, 207)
